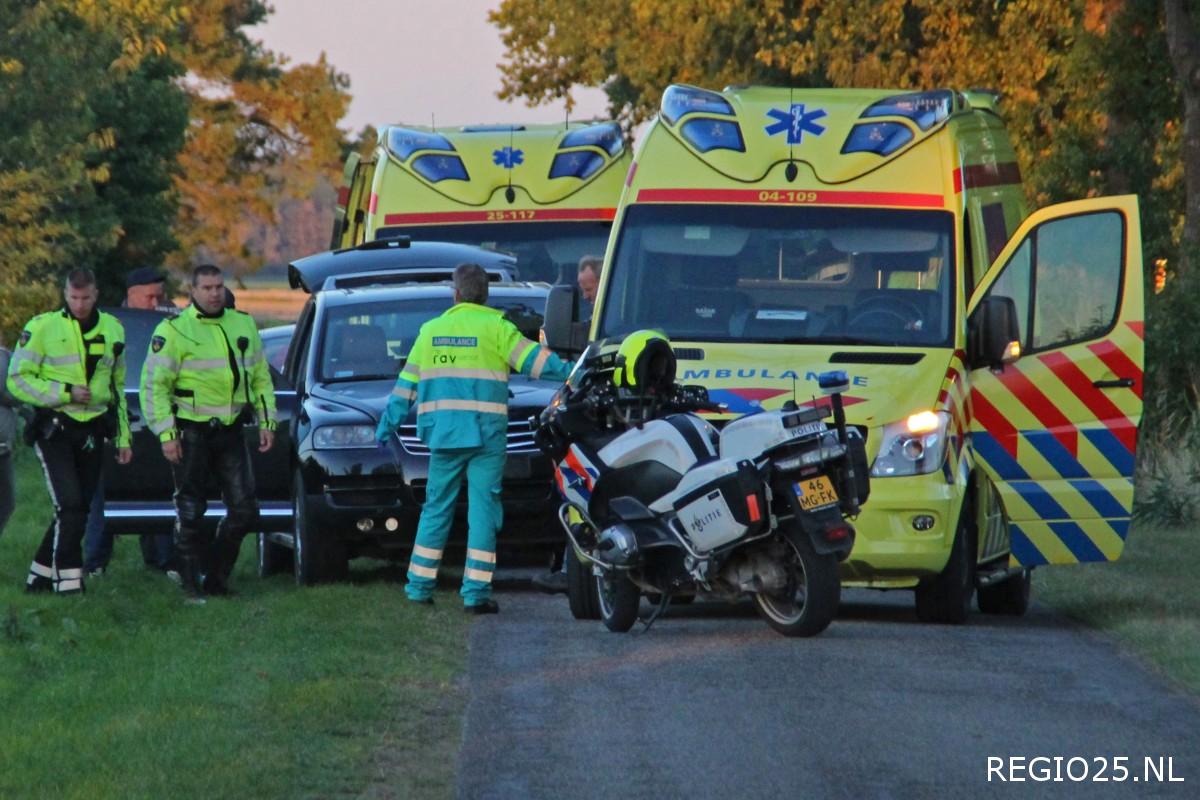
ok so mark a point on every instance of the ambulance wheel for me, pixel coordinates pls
(315, 558)
(581, 588)
(946, 598)
(1009, 597)
(618, 599)
(809, 602)
(273, 557)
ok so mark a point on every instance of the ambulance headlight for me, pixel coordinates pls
(713, 134)
(341, 437)
(435, 168)
(679, 100)
(912, 446)
(403, 142)
(606, 136)
(576, 164)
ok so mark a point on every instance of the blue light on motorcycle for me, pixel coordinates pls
(833, 381)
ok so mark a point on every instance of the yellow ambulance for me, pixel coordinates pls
(545, 193)
(994, 355)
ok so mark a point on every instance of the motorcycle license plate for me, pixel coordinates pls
(814, 493)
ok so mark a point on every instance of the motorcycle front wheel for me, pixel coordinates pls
(618, 598)
(809, 601)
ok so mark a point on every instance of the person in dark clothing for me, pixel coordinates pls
(145, 288)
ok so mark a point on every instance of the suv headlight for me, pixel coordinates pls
(339, 437)
(913, 446)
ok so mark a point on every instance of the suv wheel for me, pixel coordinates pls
(316, 558)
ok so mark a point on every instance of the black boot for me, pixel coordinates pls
(193, 581)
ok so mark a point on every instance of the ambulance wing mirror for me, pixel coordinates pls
(994, 333)
(562, 330)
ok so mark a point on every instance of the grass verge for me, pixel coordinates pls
(1149, 599)
(278, 692)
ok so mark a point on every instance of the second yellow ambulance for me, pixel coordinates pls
(545, 193)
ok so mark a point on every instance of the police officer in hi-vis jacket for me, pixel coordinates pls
(70, 366)
(457, 376)
(205, 375)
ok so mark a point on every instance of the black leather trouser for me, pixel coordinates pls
(71, 455)
(213, 452)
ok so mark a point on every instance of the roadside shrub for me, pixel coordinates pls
(1168, 491)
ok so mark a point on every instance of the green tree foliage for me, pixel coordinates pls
(90, 124)
(262, 133)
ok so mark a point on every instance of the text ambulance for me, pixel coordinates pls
(545, 193)
(995, 357)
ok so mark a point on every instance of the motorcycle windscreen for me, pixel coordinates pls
(1056, 429)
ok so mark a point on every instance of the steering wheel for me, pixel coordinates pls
(895, 313)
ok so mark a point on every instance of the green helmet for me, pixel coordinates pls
(645, 362)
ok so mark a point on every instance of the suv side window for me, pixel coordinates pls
(298, 350)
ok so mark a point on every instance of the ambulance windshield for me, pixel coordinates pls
(545, 251)
(784, 274)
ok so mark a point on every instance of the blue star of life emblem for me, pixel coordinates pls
(796, 122)
(507, 157)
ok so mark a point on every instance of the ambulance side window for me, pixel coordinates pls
(1065, 280)
(1014, 282)
(995, 233)
(1078, 278)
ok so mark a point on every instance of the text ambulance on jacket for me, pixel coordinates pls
(54, 354)
(457, 373)
(203, 367)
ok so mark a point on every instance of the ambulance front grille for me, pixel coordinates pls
(520, 438)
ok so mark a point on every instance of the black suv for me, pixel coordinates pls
(352, 497)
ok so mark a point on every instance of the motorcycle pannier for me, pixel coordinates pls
(720, 502)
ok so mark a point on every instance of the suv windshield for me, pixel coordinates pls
(369, 341)
(545, 251)
(784, 274)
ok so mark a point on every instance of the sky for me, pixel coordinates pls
(408, 59)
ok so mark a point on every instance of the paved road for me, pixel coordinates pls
(710, 703)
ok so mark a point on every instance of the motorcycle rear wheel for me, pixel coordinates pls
(618, 599)
(810, 601)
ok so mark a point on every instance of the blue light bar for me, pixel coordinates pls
(434, 168)
(883, 138)
(713, 134)
(607, 137)
(679, 100)
(924, 108)
(403, 142)
(580, 164)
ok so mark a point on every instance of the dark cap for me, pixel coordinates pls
(142, 276)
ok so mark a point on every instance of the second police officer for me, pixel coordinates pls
(457, 377)
(205, 375)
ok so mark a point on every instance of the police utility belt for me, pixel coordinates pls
(44, 424)
(244, 417)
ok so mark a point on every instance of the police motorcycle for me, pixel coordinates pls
(658, 501)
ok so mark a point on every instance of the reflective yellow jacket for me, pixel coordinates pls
(52, 356)
(204, 367)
